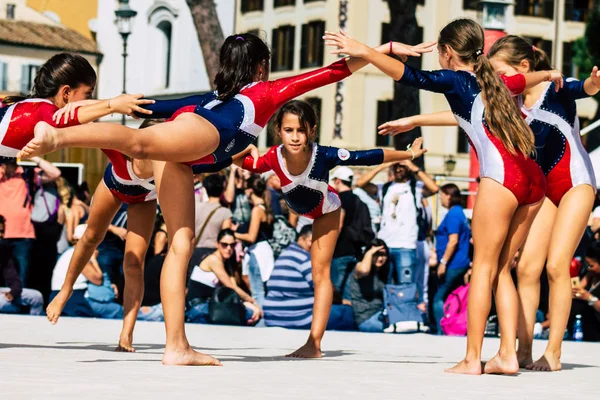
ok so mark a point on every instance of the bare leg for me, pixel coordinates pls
(492, 216)
(140, 223)
(176, 197)
(104, 207)
(505, 293)
(325, 233)
(571, 220)
(189, 137)
(529, 269)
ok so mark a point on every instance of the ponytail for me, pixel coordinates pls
(541, 61)
(514, 49)
(466, 38)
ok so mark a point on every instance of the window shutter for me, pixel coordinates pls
(304, 46)
(3, 76)
(290, 47)
(274, 47)
(25, 79)
(320, 31)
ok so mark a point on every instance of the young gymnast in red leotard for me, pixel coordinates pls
(203, 130)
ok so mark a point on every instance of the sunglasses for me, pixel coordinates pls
(226, 245)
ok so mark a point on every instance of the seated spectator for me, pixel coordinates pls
(14, 299)
(585, 297)
(92, 295)
(365, 287)
(452, 247)
(218, 268)
(151, 309)
(290, 290)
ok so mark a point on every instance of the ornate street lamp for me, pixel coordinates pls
(124, 23)
(449, 164)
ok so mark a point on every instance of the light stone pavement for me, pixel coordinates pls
(74, 359)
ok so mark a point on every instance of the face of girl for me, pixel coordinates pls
(70, 95)
(226, 245)
(294, 136)
(593, 265)
(503, 68)
(380, 258)
(443, 58)
(445, 199)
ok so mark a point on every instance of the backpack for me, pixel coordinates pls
(283, 235)
(226, 307)
(454, 321)
(359, 230)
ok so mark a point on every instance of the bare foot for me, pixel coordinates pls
(309, 350)
(525, 358)
(125, 344)
(188, 357)
(466, 367)
(502, 365)
(44, 141)
(56, 306)
(547, 363)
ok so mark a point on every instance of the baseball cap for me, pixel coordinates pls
(343, 173)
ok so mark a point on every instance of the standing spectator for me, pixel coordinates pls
(211, 217)
(199, 190)
(13, 297)
(585, 297)
(290, 290)
(365, 287)
(369, 195)
(15, 206)
(452, 247)
(274, 185)
(237, 194)
(64, 215)
(260, 255)
(401, 216)
(355, 231)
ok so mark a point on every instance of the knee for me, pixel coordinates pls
(133, 263)
(557, 272)
(182, 244)
(526, 275)
(321, 273)
(138, 150)
(92, 237)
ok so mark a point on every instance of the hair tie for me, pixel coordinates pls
(534, 48)
(239, 38)
(478, 53)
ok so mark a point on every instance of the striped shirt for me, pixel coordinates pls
(290, 291)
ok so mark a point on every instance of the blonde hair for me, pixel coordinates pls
(466, 38)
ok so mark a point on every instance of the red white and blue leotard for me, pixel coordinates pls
(19, 119)
(309, 193)
(519, 174)
(120, 179)
(560, 152)
(240, 119)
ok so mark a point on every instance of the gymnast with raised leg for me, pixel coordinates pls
(303, 167)
(570, 187)
(205, 129)
(512, 185)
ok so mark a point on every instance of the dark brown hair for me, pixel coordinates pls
(306, 115)
(513, 49)
(454, 192)
(61, 69)
(466, 38)
(239, 58)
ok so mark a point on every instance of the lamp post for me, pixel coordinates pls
(124, 21)
(449, 164)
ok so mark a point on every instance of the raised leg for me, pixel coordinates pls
(103, 209)
(140, 223)
(325, 234)
(176, 197)
(571, 219)
(529, 269)
(492, 216)
(189, 137)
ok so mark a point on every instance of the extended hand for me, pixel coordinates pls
(404, 50)
(595, 77)
(395, 127)
(68, 111)
(345, 44)
(417, 149)
(127, 104)
(557, 78)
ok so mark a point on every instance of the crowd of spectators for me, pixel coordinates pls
(248, 242)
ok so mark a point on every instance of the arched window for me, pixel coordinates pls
(165, 28)
(159, 44)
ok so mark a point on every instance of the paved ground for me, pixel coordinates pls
(74, 359)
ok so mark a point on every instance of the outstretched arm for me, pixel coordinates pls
(373, 157)
(370, 174)
(592, 84)
(82, 112)
(166, 108)
(442, 118)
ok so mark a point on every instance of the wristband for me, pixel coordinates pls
(444, 262)
(111, 114)
(391, 48)
(408, 148)
(592, 300)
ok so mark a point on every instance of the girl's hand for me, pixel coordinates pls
(595, 77)
(127, 104)
(581, 294)
(374, 250)
(234, 227)
(256, 313)
(404, 50)
(398, 126)
(557, 78)
(254, 153)
(416, 147)
(345, 44)
(68, 111)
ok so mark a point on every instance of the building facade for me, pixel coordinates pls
(293, 29)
